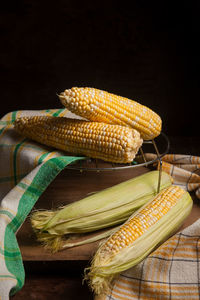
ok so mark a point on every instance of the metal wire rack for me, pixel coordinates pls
(158, 146)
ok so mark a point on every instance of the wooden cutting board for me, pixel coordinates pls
(72, 185)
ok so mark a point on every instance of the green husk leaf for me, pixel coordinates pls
(103, 209)
(97, 237)
(128, 195)
(56, 243)
(102, 271)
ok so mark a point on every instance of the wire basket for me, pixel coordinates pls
(158, 146)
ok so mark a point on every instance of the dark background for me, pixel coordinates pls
(145, 50)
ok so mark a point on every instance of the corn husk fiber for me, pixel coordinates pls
(103, 209)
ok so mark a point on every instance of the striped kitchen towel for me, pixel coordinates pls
(26, 169)
(170, 272)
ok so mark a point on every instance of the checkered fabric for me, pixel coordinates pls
(26, 169)
(185, 170)
(170, 272)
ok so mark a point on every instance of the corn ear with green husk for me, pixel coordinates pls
(138, 236)
(103, 209)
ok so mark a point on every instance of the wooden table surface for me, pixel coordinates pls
(59, 275)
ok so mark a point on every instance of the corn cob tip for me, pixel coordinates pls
(39, 219)
(97, 284)
(51, 242)
(66, 97)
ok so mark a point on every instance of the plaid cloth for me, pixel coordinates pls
(173, 270)
(185, 170)
(170, 272)
(26, 169)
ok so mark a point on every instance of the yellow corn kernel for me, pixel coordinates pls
(101, 106)
(82, 137)
(140, 222)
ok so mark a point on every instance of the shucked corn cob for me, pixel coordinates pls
(113, 143)
(136, 238)
(101, 106)
(108, 207)
(97, 140)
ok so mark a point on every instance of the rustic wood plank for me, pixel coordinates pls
(56, 287)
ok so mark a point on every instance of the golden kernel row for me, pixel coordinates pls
(147, 217)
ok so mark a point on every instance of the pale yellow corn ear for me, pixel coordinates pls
(101, 106)
(109, 207)
(137, 237)
(108, 142)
